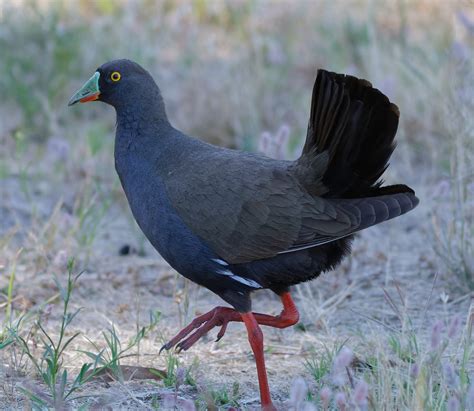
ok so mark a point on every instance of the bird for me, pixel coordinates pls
(238, 222)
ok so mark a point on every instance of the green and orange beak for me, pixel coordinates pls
(88, 92)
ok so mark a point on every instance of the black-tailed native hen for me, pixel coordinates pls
(236, 222)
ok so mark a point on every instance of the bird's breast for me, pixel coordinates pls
(146, 193)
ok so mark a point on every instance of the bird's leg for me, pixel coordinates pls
(288, 316)
(221, 316)
(255, 336)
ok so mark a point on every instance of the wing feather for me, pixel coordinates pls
(248, 207)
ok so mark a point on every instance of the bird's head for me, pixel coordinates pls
(118, 83)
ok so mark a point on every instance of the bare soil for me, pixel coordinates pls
(393, 261)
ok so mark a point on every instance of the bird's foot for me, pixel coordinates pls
(219, 316)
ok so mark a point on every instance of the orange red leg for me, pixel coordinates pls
(221, 316)
(255, 336)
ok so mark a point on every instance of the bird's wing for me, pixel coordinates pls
(248, 207)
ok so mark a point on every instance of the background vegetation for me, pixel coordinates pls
(390, 329)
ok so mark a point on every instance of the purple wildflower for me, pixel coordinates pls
(415, 370)
(452, 380)
(453, 404)
(341, 402)
(454, 326)
(361, 394)
(325, 396)
(341, 362)
(436, 334)
(298, 392)
(169, 401)
(187, 405)
(61, 259)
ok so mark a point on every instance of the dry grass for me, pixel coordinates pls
(400, 305)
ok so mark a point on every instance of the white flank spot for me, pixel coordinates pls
(246, 281)
(219, 261)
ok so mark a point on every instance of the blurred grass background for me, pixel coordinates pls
(231, 71)
(253, 61)
(235, 73)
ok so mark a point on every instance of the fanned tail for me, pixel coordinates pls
(354, 126)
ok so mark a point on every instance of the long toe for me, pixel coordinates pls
(222, 331)
(222, 316)
(196, 336)
(194, 324)
(219, 316)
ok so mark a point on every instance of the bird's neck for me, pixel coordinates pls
(141, 118)
(138, 131)
(144, 135)
(145, 108)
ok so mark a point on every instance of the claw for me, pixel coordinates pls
(164, 347)
(219, 316)
(222, 331)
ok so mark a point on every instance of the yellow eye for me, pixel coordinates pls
(115, 76)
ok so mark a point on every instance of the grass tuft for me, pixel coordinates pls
(50, 365)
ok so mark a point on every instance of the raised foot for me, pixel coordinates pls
(218, 317)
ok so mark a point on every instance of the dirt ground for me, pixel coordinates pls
(349, 304)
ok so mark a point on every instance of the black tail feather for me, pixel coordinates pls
(355, 124)
(366, 212)
(375, 210)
